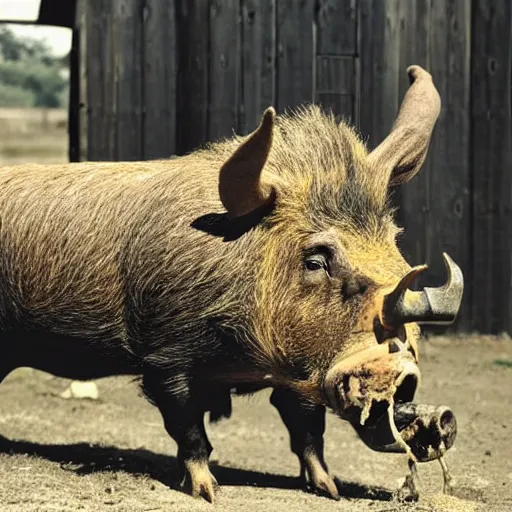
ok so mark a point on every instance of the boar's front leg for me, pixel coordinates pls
(305, 422)
(183, 414)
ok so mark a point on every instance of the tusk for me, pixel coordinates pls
(445, 301)
(438, 305)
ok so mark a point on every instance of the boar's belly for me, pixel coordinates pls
(68, 357)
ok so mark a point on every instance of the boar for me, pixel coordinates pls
(268, 260)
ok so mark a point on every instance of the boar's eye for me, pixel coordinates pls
(316, 262)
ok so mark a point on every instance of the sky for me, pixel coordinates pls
(58, 38)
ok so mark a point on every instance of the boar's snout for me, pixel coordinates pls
(361, 387)
(365, 389)
(429, 431)
(369, 387)
(386, 372)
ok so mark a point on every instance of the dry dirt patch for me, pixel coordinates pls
(113, 454)
(33, 135)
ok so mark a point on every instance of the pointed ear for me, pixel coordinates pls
(241, 188)
(401, 154)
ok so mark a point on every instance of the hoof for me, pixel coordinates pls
(199, 482)
(319, 479)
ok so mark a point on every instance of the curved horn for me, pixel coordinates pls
(400, 155)
(429, 306)
(240, 186)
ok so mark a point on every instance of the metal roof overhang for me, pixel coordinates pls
(59, 13)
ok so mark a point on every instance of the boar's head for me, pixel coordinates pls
(332, 308)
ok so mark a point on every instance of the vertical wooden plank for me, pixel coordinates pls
(159, 79)
(414, 198)
(295, 53)
(101, 126)
(379, 59)
(192, 112)
(371, 37)
(438, 50)
(224, 68)
(127, 28)
(334, 88)
(336, 27)
(491, 165)
(449, 176)
(258, 61)
(74, 93)
(414, 20)
(83, 80)
(335, 71)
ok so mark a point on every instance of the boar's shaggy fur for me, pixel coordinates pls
(137, 268)
(142, 256)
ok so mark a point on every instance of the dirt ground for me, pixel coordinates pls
(33, 135)
(113, 453)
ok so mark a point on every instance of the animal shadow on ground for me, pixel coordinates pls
(85, 459)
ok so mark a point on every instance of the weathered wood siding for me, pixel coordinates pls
(157, 77)
(491, 158)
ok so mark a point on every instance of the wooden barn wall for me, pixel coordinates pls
(163, 77)
(435, 207)
(491, 158)
(159, 77)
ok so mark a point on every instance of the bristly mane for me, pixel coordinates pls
(320, 170)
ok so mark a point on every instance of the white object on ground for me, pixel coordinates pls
(79, 389)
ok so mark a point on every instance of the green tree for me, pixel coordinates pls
(29, 66)
(15, 96)
(11, 48)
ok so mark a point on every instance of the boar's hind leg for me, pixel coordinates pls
(306, 424)
(183, 415)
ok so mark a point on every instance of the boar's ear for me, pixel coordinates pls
(241, 189)
(403, 151)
